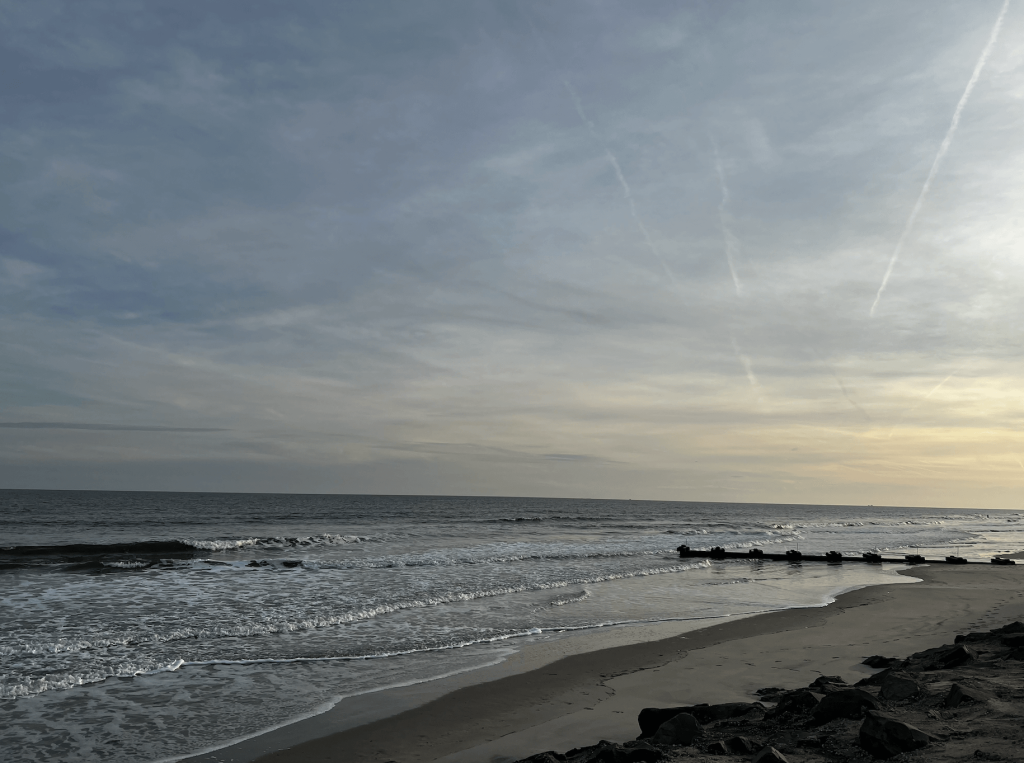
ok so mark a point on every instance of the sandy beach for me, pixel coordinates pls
(582, 698)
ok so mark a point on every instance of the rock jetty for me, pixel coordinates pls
(957, 702)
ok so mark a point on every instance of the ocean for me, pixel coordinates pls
(147, 626)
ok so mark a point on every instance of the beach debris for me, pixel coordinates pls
(769, 755)
(681, 729)
(898, 687)
(959, 694)
(846, 703)
(878, 661)
(884, 736)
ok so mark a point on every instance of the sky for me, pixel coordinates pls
(692, 250)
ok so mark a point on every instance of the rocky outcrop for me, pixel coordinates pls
(679, 729)
(899, 687)
(847, 703)
(884, 736)
(961, 701)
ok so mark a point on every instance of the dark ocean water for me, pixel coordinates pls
(143, 626)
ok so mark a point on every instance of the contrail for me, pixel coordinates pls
(626, 190)
(943, 149)
(747, 366)
(731, 244)
(846, 394)
(935, 389)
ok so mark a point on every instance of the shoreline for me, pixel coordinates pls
(586, 697)
(356, 711)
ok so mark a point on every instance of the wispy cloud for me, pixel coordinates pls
(943, 150)
(102, 427)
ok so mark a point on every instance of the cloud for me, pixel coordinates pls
(380, 245)
(101, 427)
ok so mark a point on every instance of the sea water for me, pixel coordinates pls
(145, 626)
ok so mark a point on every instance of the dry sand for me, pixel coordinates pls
(583, 698)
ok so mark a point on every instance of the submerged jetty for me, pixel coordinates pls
(830, 557)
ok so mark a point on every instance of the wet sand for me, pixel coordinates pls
(582, 698)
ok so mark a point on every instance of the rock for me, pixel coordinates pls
(609, 752)
(769, 755)
(797, 702)
(878, 661)
(651, 718)
(846, 703)
(1014, 640)
(959, 694)
(876, 679)
(718, 748)
(681, 729)
(726, 710)
(827, 681)
(1015, 627)
(897, 687)
(544, 757)
(741, 745)
(883, 736)
(958, 655)
(814, 743)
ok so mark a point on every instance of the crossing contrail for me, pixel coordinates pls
(731, 244)
(627, 192)
(935, 389)
(943, 149)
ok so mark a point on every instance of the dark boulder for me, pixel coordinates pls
(1013, 640)
(717, 748)
(876, 679)
(727, 710)
(959, 694)
(1015, 627)
(972, 638)
(681, 729)
(544, 757)
(883, 736)
(847, 703)
(609, 752)
(800, 701)
(769, 755)
(827, 681)
(651, 718)
(878, 661)
(897, 687)
(741, 745)
(956, 656)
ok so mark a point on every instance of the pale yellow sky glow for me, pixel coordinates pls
(416, 251)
